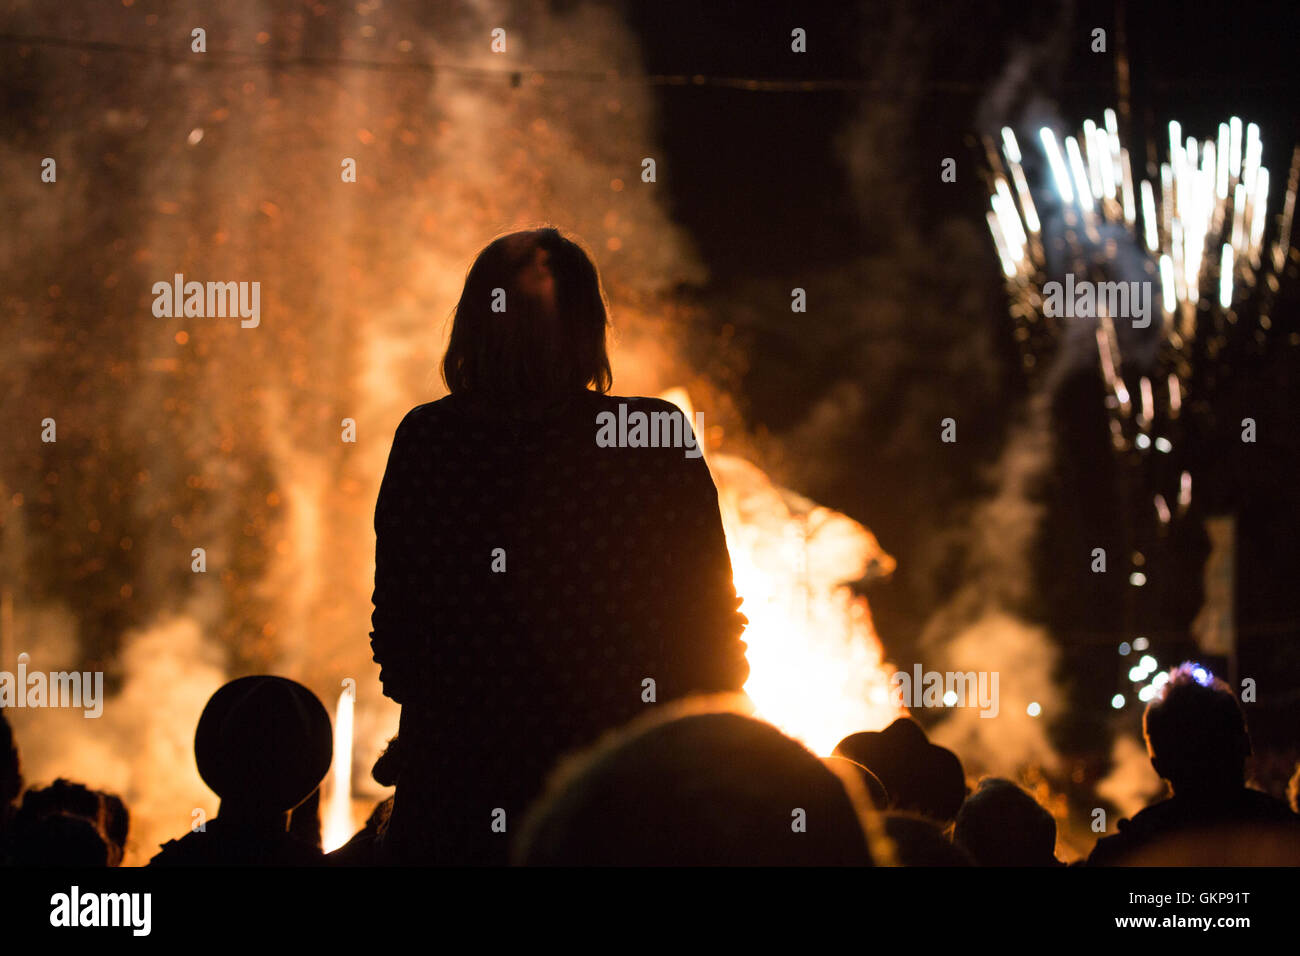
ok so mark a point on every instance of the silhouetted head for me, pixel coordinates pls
(59, 839)
(263, 744)
(1196, 732)
(530, 323)
(918, 841)
(11, 776)
(1002, 825)
(698, 783)
(50, 826)
(920, 776)
(117, 824)
(65, 796)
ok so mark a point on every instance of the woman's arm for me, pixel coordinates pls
(706, 652)
(396, 631)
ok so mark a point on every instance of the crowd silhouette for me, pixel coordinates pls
(558, 622)
(696, 781)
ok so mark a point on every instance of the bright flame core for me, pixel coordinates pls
(337, 824)
(816, 667)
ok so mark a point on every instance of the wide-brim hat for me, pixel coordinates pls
(919, 775)
(264, 742)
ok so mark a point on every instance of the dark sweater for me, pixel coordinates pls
(237, 844)
(616, 571)
(1180, 814)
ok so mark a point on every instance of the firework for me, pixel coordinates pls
(1199, 237)
(1196, 229)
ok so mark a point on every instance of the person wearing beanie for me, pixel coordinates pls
(263, 745)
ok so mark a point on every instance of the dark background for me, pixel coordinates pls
(763, 184)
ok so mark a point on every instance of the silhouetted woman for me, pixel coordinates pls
(530, 581)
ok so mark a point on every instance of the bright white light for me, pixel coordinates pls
(1259, 208)
(1117, 702)
(1148, 662)
(1126, 186)
(1105, 166)
(1010, 145)
(337, 807)
(1004, 254)
(1238, 215)
(1060, 174)
(1149, 217)
(1254, 151)
(1005, 207)
(1163, 444)
(1209, 167)
(1146, 693)
(1034, 710)
(1221, 186)
(1094, 158)
(1026, 199)
(1137, 673)
(950, 699)
(1225, 277)
(1080, 172)
(1143, 442)
(1167, 293)
(1141, 644)
(1160, 680)
(1234, 146)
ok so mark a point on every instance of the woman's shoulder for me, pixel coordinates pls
(452, 410)
(657, 414)
(429, 425)
(654, 424)
(640, 403)
(430, 413)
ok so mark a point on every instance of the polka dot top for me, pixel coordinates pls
(530, 584)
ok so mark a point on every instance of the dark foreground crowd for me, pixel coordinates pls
(695, 782)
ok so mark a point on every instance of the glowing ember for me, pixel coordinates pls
(817, 669)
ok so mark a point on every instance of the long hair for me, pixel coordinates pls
(508, 343)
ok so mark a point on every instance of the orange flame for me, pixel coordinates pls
(817, 669)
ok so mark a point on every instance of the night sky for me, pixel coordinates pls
(762, 180)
